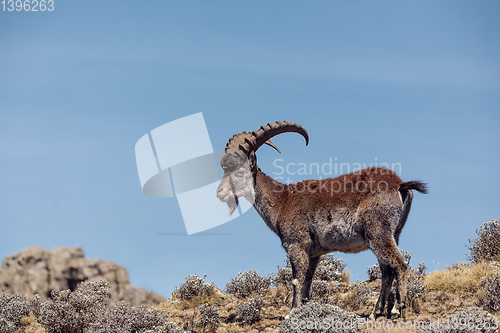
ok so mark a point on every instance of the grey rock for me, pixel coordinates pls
(37, 271)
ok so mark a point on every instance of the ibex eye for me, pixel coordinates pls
(240, 173)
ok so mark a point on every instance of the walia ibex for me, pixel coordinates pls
(362, 210)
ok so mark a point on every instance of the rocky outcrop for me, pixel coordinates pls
(37, 271)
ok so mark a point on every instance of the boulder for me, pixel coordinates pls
(37, 271)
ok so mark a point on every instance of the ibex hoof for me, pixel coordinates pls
(375, 314)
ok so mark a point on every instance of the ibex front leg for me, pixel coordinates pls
(300, 264)
(306, 290)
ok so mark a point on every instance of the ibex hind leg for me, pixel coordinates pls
(388, 275)
(388, 254)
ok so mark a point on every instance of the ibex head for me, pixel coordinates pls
(240, 162)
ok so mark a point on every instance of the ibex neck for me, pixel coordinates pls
(268, 194)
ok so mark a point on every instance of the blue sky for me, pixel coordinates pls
(415, 83)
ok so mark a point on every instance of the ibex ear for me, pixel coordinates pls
(252, 164)
(252, 160)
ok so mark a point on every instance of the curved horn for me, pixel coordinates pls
(239, 139)
(253, 141)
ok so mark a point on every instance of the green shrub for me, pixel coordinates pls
(284, 275)
(469, 320)
(250, 312)
(193, 287)
(486, 247)
(123, 318)
(321, 290)
(210, 317)
(357, 296)
(315, 317)
(12, 308)
(330, 269)
(248, 283)
(415, 289)
(374, 272)
(491, 287)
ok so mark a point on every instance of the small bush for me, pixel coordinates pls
(89, 301)
(357, 296)
(486, 247)
(68, 311)
(210, 317)
(7, 326)
(314, 317)
(491, 287)
(406, 255)
(250, 312)
(330, 269)
(123, 318)
(248, 283)
(57, 314)
(12, 308)
(374, 272)
(363, 291)
(495, 265)
(415, 289)
(194, 286)
(469, 320)
(284, 275)
(422, 267)
(321, 290)
(460, 265)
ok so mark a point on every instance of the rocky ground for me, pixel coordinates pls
(463, 293)
(446, 294)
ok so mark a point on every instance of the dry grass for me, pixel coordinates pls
(346, 275)
(464, 279)
(29, 325)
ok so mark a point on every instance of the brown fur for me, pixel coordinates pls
(351, 213)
